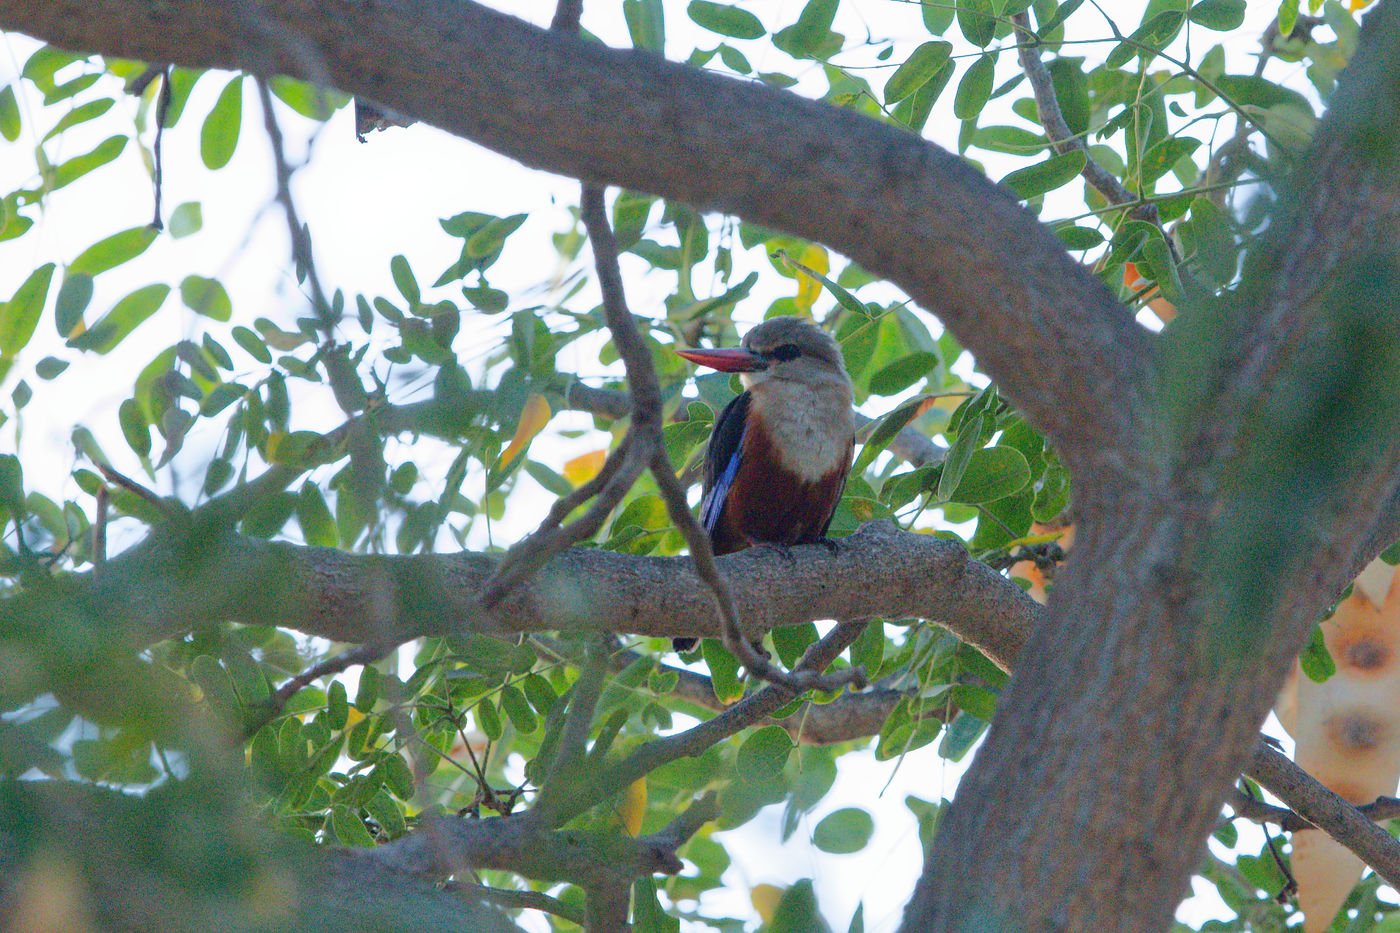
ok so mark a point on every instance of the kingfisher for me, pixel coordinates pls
(780, 450)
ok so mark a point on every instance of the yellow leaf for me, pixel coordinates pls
(809, 289)
(633, 806)
(532, 420)
(275, 439)
(765, 899)
(584, 467)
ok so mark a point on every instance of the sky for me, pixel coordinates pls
(366, 202)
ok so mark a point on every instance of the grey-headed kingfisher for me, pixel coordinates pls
(780, 451)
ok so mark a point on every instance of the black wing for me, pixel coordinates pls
(722, 457)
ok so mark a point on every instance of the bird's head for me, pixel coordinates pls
(790, 349)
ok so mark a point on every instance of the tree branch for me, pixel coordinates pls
(1328, 812)
(1054, 339)
(167, 586)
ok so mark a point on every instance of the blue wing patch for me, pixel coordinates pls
(722, 457)
(713, 503)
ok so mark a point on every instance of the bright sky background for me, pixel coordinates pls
(367, 202)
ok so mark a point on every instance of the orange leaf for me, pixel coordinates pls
(765, 899)
(633, 806)
(584, 467)
(532, 420)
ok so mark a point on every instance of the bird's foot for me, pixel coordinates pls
(833, 546)
(784, 549)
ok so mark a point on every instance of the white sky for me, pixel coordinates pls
(364, 204)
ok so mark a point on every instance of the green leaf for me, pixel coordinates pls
(937, 17)
(648, 916)
(9, 114)
(992, 473)
(489, 719)
(50, 367)
(522, 717)
(1206, 234)
(1160, 159)
(20, 315)
(1287, 17)
(885, 431)
(968, 441)
(1063, 12)
(1260, 92)
(218, 137)
(1315, 660)
(646, 23)
(73, 297)
(917, 69)
(492, 236)
(975, 88)
(349, 828)
(1054, 172)
(486, 299)
(762, 756)
(305, 98)
(314, 517)
(12, 485)
(797, 912)
(811, 31)
(1010, 139)
(1224, 15)
(80, 114)
(186, 219)
(902, 373)
(252, 344)
(1150, 37)
(843, 832)
(78, 166)
(404, 281)
(207, 297)
(126, 315)
(112, 251)
(1077, 238)
(726, 20)
(977, 22)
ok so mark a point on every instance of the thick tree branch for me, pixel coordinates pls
(167, 586)
(1051, 335)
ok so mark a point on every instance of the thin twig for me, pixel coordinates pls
(99, 534)
(367, 653)
(608, 905)
(1062, 138)
(1327, 811)
(619, 473)
(301, 241)
(517, 900)
(163, 102)
(583, 703)
(1259, 811)
(694, 741)
(130, 485)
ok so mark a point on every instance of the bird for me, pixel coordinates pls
(779, 452)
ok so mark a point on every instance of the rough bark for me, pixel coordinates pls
(1231, 475)
(1050, 334)
(167, 586)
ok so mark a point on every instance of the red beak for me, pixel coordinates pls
(727, 361)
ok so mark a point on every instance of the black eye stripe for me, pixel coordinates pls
(782, 354)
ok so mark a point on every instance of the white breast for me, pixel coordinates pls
(810, 425)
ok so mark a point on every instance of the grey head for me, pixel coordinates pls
(795, 350)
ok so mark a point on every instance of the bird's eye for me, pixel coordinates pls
(787, 351)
